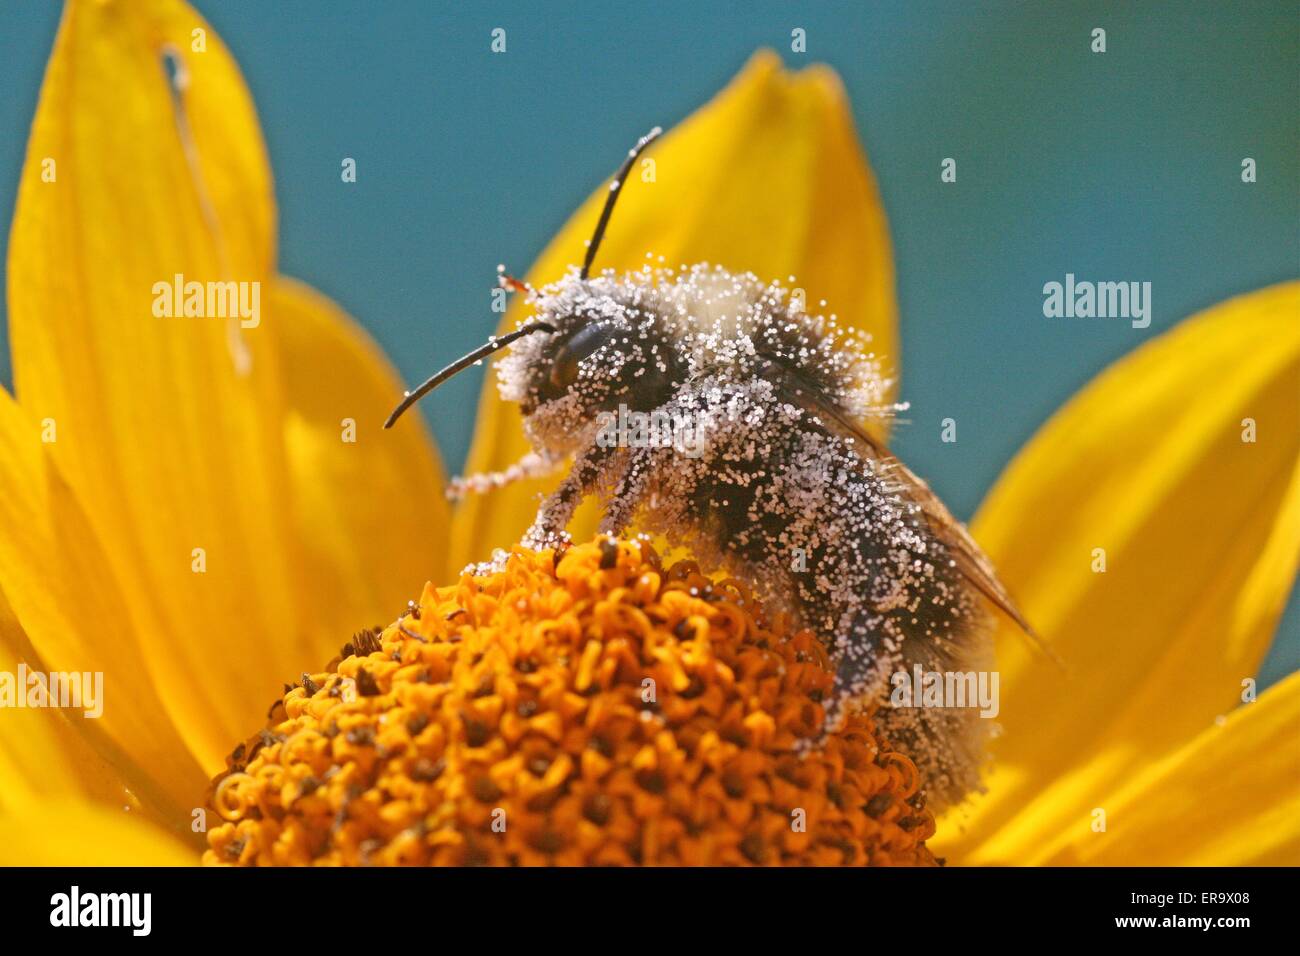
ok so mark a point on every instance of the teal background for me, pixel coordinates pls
(1117, 166)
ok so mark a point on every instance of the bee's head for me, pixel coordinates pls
(589, 348)
(606, 349)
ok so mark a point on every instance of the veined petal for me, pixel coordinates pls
(1153, 465)
(50, 754)
(34, 761)
(72, 833)
(63, 611)
(170, 428)
(768, 178)
(369, 503)
(1229, 797)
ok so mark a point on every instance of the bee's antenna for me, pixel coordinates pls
(464, 362)
(615, 187)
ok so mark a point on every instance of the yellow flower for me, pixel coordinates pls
(180, 510)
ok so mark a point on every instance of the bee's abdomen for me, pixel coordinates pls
(792, 506)
(798, 504)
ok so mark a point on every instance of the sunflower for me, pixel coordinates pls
(202, 509)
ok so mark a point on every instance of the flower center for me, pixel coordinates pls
(589, 708)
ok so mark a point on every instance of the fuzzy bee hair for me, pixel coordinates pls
(789, 483)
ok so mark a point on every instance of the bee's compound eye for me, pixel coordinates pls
(564, 371)
(581, 344)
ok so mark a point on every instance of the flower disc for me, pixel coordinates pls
(589, 707)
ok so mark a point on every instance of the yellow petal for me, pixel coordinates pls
(170, 429)
(69, 833)
(768, 178)
(35, 762)
(63, 611)
(1201, 533)
(51, 754)
(368, 503)
(1229, 797)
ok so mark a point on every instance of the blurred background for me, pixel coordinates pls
(1122, 166)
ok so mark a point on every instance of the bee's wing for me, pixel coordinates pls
(971, 561)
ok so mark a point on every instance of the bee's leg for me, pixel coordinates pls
(628, 491)
(860, 672)
(557, 510)
(532, 465)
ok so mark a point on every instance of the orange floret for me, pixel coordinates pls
(590, 708)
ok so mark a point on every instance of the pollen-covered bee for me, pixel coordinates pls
(752, 444)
